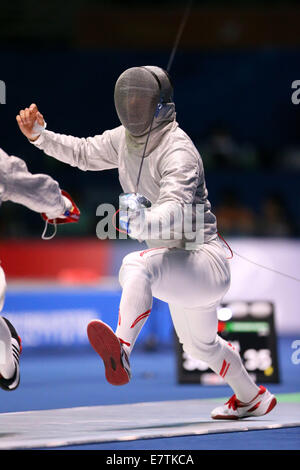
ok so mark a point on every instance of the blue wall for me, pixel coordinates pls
(53, 317)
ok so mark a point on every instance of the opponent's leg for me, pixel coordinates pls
(2, 288)
(10, 347)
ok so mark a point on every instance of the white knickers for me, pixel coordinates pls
(191, 282)
(198, 278)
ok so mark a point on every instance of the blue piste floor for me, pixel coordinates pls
(71, 378)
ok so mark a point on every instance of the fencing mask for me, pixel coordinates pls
(139, 94)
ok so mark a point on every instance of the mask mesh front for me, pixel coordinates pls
(136, 96)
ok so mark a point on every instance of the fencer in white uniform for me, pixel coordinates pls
(193, 280)
(39, 193)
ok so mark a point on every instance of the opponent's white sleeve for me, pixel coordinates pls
(91, 153)
(38, 192)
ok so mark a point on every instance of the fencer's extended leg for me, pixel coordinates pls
(197, 331)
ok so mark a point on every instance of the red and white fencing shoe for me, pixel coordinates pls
(262, 404)
(107, 345)
(10, 350)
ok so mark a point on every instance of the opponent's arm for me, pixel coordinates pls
(92, 153)
(39, 192)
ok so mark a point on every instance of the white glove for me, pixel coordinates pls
(68, 204)
(132, 213)
(38, 129)
(68, 207)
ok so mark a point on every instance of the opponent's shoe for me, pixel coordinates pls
(107, 345)
(11, 348)
(262, 404)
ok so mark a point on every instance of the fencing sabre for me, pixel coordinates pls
(169, 65)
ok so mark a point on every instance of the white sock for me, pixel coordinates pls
(135, 307)
(228, 364)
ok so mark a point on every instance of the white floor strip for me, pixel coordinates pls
(71, 426)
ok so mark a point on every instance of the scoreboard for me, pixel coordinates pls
(250, 328)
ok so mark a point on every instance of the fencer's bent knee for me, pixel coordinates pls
(133, 265)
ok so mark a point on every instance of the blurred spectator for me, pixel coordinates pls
(275, 219)
(234, 218)
(290, 159)
(221, 151)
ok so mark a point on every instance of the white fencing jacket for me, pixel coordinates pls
(39, 192)
(172, 172)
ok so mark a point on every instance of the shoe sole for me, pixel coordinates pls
(225, 417)
(272, 405)
(107, 346)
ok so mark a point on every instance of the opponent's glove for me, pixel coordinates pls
(71, 215)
